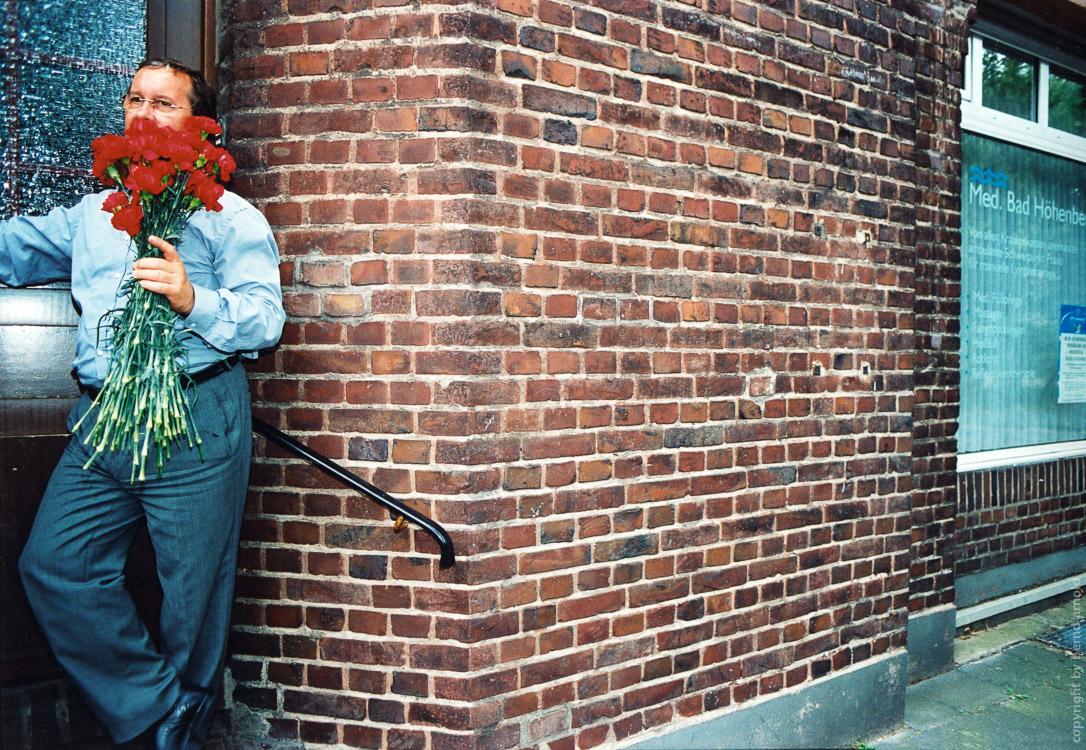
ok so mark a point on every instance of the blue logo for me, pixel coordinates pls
(988, 177)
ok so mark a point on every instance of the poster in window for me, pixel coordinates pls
(1072, 354)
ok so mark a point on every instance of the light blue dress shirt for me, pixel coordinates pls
(230, 257)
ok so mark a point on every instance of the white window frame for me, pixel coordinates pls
(978, 119)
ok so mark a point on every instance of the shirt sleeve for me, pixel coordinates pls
(245, 313)
(37, 249)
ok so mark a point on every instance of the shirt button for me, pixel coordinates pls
(101, 353)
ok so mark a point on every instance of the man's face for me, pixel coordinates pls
(160, 84)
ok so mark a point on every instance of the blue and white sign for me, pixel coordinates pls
(1072, 354)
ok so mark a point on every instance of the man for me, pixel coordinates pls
(222, 279)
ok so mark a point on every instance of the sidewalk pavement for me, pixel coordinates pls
(1008, 690)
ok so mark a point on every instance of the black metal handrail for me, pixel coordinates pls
(376, 494)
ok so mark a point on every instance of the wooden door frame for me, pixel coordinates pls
(184, 30)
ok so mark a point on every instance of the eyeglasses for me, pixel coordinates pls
(161, 106)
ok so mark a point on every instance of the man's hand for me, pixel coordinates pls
(167, 276)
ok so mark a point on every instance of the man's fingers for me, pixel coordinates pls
(166, 275)
(151, 274)
(148, 268)
(168, 251)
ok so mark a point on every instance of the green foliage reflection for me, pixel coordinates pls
(1009, 81)
(1067, 101)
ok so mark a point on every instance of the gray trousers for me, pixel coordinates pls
(73, 564)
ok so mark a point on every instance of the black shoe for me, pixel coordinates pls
(173, 730)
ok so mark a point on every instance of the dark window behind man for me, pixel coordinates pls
(222, 279)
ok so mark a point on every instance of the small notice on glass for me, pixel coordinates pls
(1072, 354)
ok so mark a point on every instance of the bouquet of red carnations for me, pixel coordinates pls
(163, 177)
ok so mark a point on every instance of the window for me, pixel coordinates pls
(1008, 81)
(66, 64)
(1067, 101)
(69, 64)
(1016, 94)
(1023, 250)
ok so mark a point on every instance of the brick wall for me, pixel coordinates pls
(625, 295)
(1008, 516)
(942, 33)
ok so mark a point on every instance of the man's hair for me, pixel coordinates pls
(202, 97)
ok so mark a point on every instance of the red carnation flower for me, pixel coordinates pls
(202, 126)
(128, 219)
(107, 150)
(115, 202)
(225, 165)
(144, 179)
(181, 154)
(149, 161)
(206, 190)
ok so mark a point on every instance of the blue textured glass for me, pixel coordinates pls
(65, 64)
(63, 109)
(41, 191)
(113, 32)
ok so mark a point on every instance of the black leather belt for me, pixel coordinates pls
(202, 376)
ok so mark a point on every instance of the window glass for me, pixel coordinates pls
(114, 31)
(64, 109)
(1009, 80)
(1067, 101)
(67, 63)
(1023, 257)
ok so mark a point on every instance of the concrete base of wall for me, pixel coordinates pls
(866, 701)
(1008, 579)
(931, 643)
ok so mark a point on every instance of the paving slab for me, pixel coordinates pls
(993, 640)
(907, 740)
(957, 692)
(924, 713)
(980, 731)
(1008, 692)
(1008, 669)
(1058, 617)
(1042, 652)
(1046, 704)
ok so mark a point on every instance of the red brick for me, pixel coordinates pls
(371, 89)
